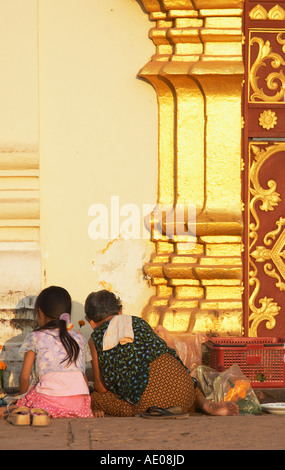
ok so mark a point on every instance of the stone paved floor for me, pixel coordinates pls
(198, 432)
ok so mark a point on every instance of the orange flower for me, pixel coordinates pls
(81, 323)
(238, 390)
(2, 365)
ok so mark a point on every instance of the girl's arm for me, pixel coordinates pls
(98, 381)
(26, 371)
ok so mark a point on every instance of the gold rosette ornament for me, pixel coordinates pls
(268, 119)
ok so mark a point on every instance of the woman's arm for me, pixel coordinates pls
(26, 371)
(98, 381)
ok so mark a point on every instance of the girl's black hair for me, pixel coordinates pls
(100, 305)
(53, 301)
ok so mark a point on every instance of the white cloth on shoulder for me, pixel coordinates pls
(120, 330)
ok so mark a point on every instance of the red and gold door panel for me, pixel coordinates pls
(264, 168)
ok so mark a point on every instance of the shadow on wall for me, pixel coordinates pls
(16, 323)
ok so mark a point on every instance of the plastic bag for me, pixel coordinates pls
(233, 385)
(206, 376)
(230, 385)
(188, 347)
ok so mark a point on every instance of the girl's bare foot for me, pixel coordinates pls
(3, 412)
(224, 408)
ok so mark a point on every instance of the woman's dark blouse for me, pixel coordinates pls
(125, 368)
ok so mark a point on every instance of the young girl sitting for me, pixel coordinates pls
(59, 359)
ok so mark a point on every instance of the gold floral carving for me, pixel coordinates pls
(266, 312)
(276, 254)
(258, 13)
(276, 13)
(273, 258)
(268, 119)
(275, 81)
(269, 197)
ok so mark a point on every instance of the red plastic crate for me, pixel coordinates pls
(263, 356)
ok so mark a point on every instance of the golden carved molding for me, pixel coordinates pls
(267, 199)
(166, 5)
(197, 30)
(198, 279)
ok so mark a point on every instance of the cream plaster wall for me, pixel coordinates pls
(77, 129)
(19, 185)
(20, 257)
(97, 140)
(19, 247)
(18, 89)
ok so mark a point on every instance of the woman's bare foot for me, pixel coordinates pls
(98, 413)
(224, 408)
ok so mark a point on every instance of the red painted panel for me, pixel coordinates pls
(264, 125)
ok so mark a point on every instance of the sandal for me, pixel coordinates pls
(20, 417)
(174, 412)
(40, 417)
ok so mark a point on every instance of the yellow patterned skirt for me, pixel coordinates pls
(170, 384)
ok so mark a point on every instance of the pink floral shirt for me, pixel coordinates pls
(53, 375)
(50, 352)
